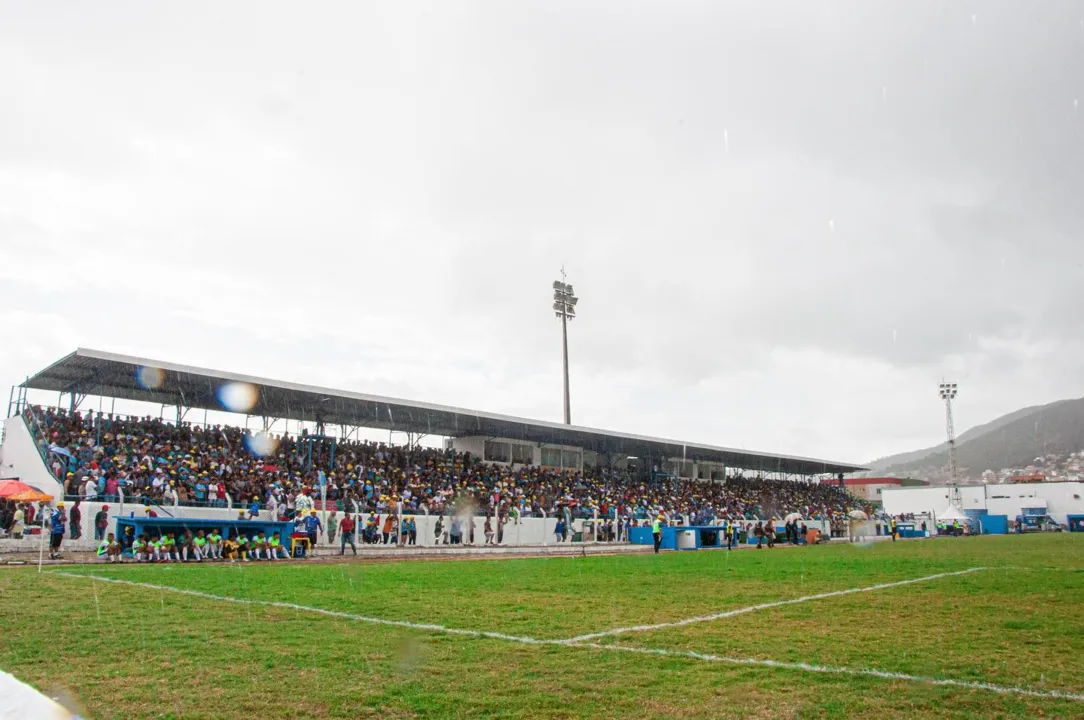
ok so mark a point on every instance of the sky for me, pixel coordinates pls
(786, 222)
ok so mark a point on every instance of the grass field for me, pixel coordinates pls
(1009, 637)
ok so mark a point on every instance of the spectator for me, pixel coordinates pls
(101, 522)
(332, 526)
(57, 520)
(387, 528)
(17, 523)
(313, 527)
(75, 521)
(346, 532)
(169, 463)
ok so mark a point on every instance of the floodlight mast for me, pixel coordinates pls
(947, 391)
(564, 308)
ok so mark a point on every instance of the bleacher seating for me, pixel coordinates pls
(95, 454)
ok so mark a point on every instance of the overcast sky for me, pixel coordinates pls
(786, 221)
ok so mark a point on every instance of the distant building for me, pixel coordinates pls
(870, 488)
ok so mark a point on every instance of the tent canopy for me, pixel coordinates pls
(952, 513)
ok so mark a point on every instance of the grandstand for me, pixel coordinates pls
(488, 464)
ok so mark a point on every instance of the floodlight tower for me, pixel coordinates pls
(947, 391)
(564, 307)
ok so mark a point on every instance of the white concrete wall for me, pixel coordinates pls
(1061, 499)
(475, 445)
(19, 458)
(529, 531)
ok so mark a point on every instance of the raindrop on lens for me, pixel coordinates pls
(150, 378)
(262, 444)
(238, 397)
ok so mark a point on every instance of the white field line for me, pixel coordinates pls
(763, 606)
(750, 662)
(306, 608)
(831, 670)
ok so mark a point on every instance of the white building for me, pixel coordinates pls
(1059, 498)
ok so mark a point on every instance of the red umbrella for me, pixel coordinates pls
(18, 490)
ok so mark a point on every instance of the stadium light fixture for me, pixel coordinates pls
(947, 391)
(564, 308)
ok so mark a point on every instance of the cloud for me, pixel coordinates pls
(785, 222)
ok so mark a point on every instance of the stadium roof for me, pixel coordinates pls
(92, 372)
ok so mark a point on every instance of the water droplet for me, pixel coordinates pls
(262, 444)
(884, 92)
(893, 337)
(726, 140)
(832, 225)
(238, 397)
(974, 17)
(150, 378)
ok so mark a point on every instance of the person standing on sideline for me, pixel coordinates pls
(332, 526)
(895, 530)
(57, 520)
(101, 522)
(17, 522)
(346, 533)
(656, 533)
(75, 521)
(313, 526)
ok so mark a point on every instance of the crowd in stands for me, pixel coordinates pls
(96, 456)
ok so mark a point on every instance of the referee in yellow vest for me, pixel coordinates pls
(656, 533)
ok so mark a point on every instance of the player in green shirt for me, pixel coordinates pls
(110, 549)
(259, 544)
(139, 548)
(169, 548)
(276, 547)
(214, 545)
(199, 546)
(243, 546)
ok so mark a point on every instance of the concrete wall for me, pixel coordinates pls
(475, 445)
(1060, 499)
(529, 531)
(19, 458)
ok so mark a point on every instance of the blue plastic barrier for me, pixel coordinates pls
(995, 524)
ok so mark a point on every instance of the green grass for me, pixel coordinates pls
(128, 651)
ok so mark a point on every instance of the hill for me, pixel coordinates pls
(906, 459)
(1011, 441)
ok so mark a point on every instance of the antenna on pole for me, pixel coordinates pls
(947, 391)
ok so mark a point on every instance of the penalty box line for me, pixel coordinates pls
(523, 640)
(579, 639)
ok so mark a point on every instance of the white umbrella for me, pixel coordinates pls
(857, 515)
(792, 517)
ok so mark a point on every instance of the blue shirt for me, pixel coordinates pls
(56, 522)
(312, 523)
